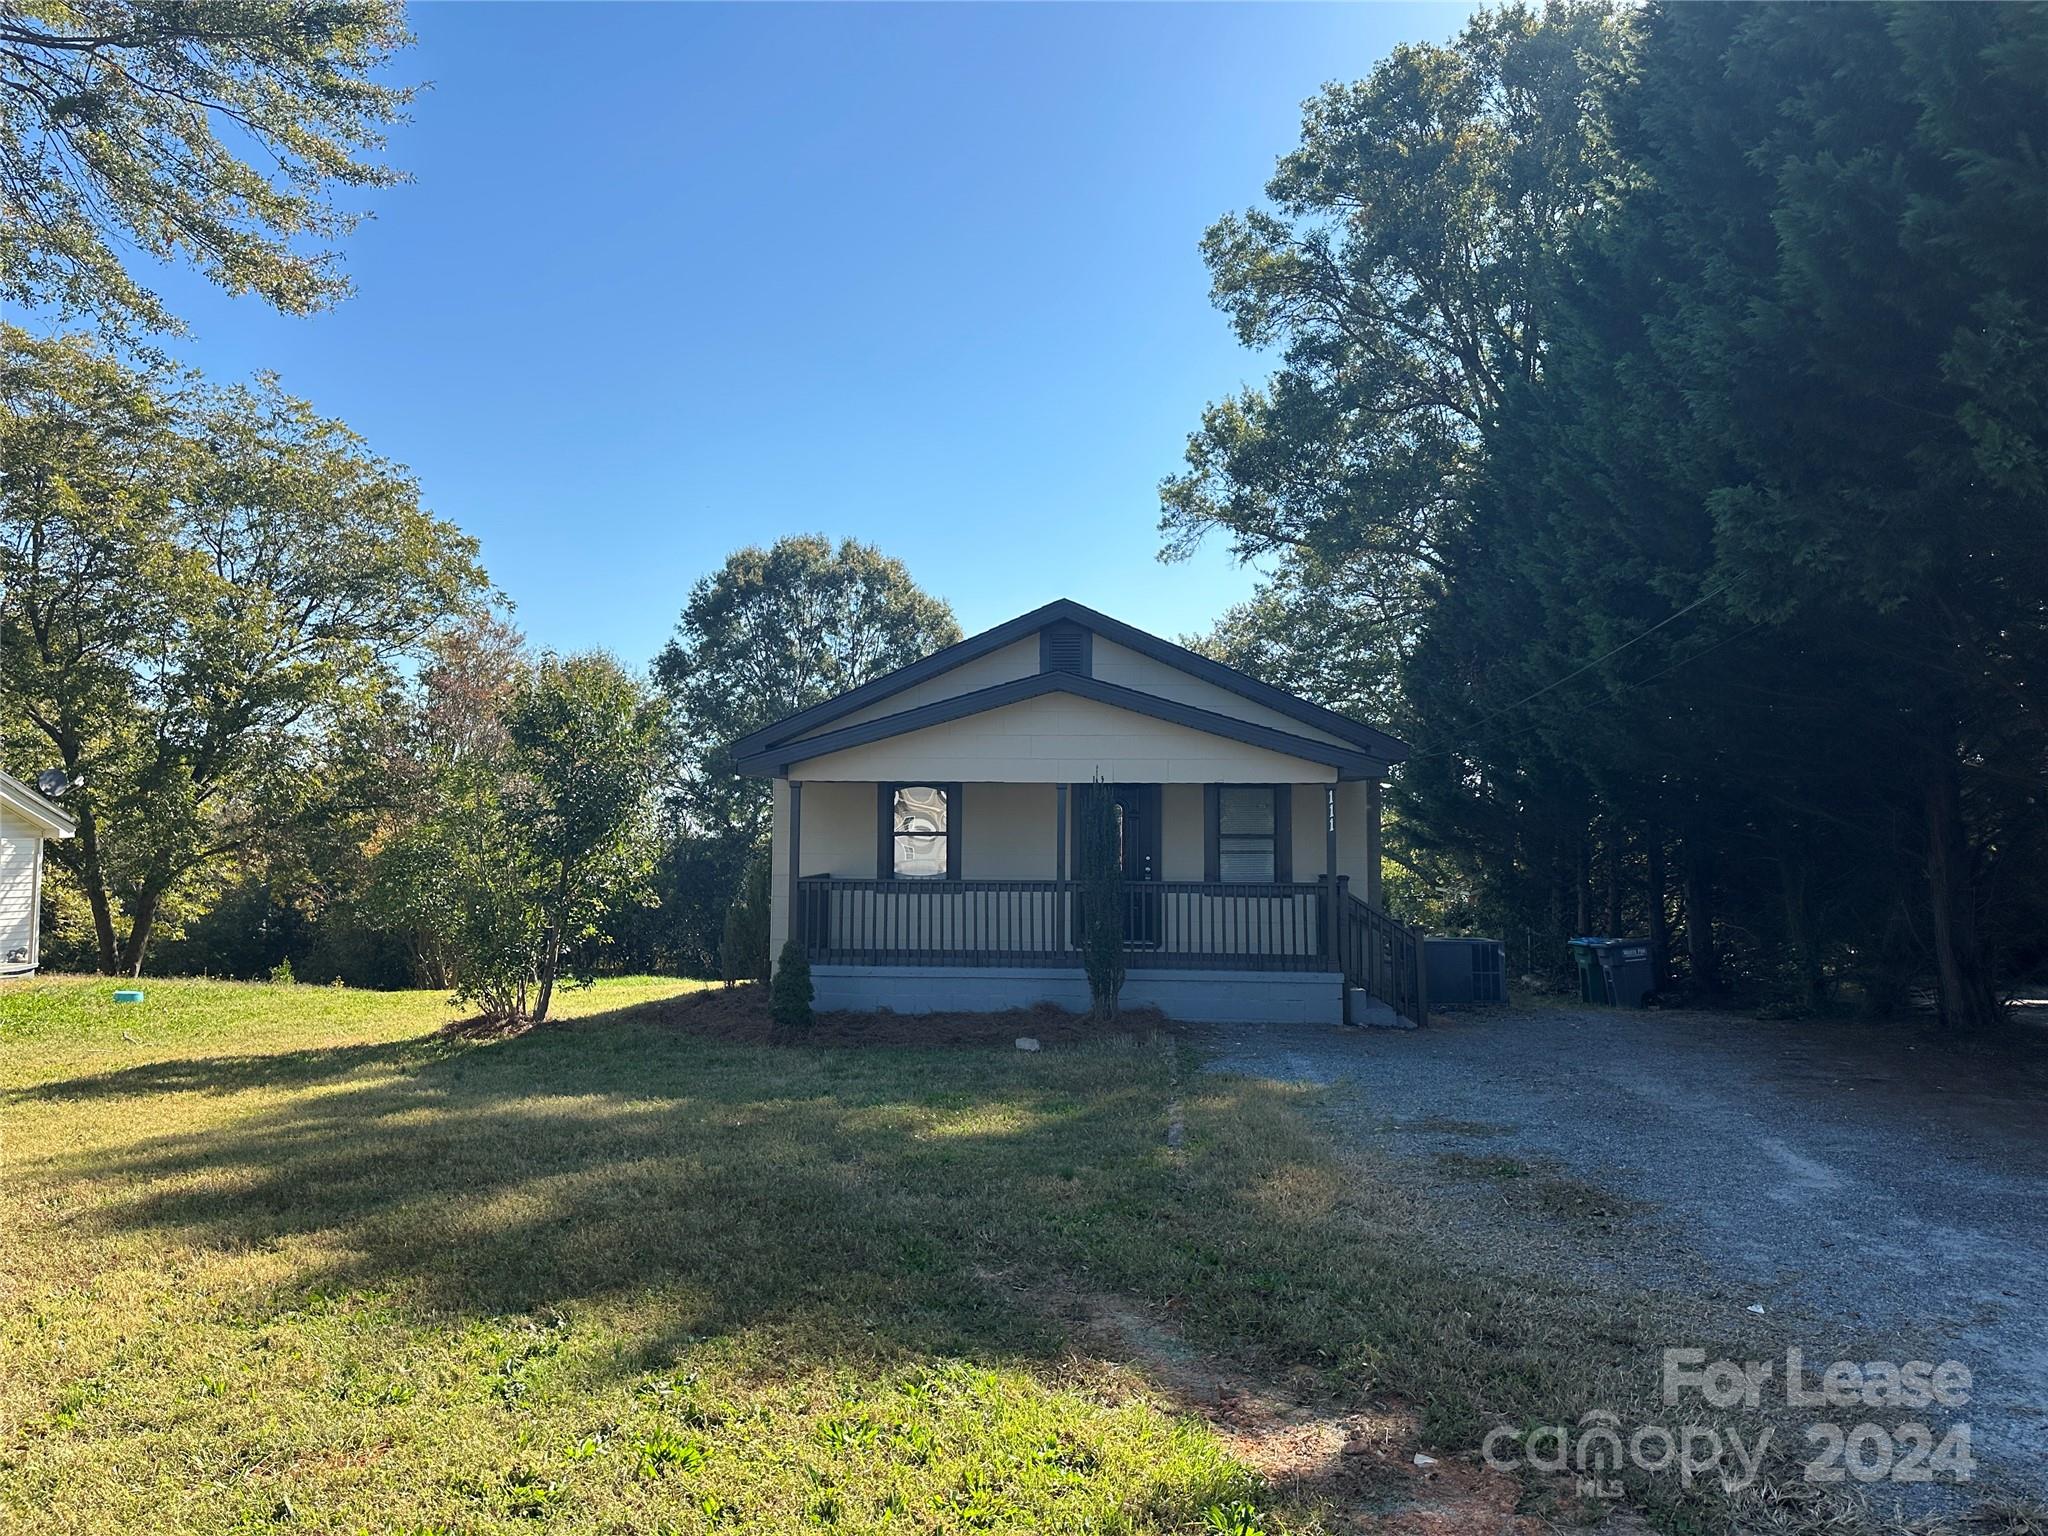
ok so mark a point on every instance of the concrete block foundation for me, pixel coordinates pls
(1192, 996)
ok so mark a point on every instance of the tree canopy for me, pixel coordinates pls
(1397, 268)
(212, 131)
(207, 592)
(772, 631)
(1717, 597)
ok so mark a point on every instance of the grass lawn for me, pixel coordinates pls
(288, 1258)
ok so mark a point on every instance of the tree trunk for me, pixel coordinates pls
(1660, 921)
(1582, 879)
(551, 947)
(550, 962)
(1698, 882)
(141, 919)
(1613, 851)
(1793, 878)
(102, 926)
(1968, 1000)
(86, 868)
(1556, 962)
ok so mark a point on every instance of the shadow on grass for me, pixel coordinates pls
(850, 1207)
(848, 1200)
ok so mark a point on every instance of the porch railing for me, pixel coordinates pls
(1166, 923)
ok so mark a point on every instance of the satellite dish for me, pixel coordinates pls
(53, 782)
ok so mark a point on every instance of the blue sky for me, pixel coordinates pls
(671, 279)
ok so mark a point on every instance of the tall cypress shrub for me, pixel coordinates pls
(1102, 898)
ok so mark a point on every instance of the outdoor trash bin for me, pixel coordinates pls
(1592, 980)
(1615, 972)
(1625, 964)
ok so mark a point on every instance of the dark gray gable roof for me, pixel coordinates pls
(1372, 742)
(775, 759)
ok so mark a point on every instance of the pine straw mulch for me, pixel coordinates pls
(739, 1014)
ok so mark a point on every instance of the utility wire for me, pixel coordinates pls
(1485, 720)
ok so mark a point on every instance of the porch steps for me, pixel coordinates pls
(1370, 1012)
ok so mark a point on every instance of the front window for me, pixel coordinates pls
(1246, 832)
(920, 833)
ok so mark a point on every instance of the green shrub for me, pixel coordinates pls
(743, 951)
(790, 995)
(281, 973)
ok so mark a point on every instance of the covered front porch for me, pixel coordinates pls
(1236, 900)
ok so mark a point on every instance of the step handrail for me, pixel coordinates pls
(1382, 957)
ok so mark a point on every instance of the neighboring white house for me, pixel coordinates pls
(926, 849)
(26, 819)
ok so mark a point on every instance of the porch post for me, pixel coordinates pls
(1333, 898)
(1373, 802)
(1330, 830)
(796, 835)
(1059, 865)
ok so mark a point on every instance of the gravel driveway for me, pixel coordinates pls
(1878, 1187)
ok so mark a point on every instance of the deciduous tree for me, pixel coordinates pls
(587, 744)
(207, 591)
(213, 131)
(772, 631)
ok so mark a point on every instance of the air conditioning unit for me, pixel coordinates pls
(1465, 971)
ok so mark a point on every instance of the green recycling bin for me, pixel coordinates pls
(1592, 975)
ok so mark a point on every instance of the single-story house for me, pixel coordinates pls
(26, 819)
(926, 843)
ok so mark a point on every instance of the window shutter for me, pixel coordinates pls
(954, 824)
(885, 829)
(1283, 832)
(1212, 816)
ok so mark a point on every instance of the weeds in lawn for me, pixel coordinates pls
(664, 1451)
(1236, 1518)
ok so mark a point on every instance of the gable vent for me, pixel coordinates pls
(1064, 647)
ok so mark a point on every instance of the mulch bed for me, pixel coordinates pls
(740, 1014)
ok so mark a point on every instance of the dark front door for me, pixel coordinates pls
(1138, 851)
(1137, 814)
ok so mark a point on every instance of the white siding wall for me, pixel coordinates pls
(21, 847)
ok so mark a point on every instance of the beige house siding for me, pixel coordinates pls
(1181, 832)
(1061, 739)
(1127, 668)
(839, 830)
(1009, 831)
(1112, 663)
(1019, 659)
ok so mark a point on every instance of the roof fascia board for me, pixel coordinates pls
(36, 807)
